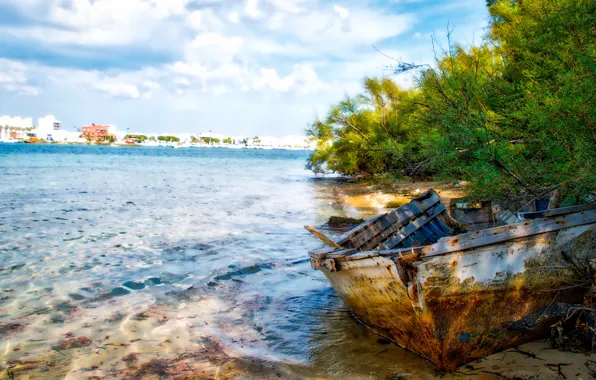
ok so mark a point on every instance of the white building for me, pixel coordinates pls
(15, 127)
(49, 128)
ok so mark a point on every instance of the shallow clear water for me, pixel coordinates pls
(155, 262)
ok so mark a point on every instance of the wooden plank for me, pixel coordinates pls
(443, 222)
(378, 239)
(368, 241)
(436, 229)
(509, 232)
(429, 236)
(400, 252)
(341, 253)
(322, 237)
(345, 237)
(398, 217)
(420, 238)
(557, 211)
(408, 229)
(427, 199)
(321, 253)
(375, 228)
(362, 255)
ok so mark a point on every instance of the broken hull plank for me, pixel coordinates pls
(505, 233)
(445, 307)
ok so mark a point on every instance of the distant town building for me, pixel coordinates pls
(15, 127)
(49, 128)
(95, 132)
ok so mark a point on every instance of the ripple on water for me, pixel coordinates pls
(123, 262)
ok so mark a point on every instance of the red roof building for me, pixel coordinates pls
(96, 132)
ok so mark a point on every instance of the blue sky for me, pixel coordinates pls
(238, 67)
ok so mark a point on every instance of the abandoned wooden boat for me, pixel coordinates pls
(413, 277)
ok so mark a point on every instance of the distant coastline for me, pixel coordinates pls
(169, 145)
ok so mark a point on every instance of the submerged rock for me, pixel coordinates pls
(134, 285)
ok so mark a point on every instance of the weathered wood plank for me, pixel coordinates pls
(362, 255)
(321, 253)
(359, 228)
(345, 237)
(557, 211)
(397, 217)
(408, 229)
(428, 233)
(443, 223)
(322, 237)
(509, 232)
(341, 253)
(433, 225)
(380, 237)
(372, 239)
(375, 228)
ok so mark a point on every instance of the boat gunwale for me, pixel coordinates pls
(411, 254)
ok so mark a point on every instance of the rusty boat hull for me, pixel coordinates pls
(466, 295)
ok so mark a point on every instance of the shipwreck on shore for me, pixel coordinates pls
(417, 276)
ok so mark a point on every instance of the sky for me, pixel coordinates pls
(237, 67)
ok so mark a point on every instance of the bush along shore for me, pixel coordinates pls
(513, 117)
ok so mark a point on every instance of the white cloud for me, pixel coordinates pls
(14, 79)
(205, 20)
(189, 49)
(341, 12)
(339, 31)
(233, 17)
(221, 89)
(99, 22)
(124, 90)
(181, 81)
(303, 79)
(251, 9)
(212, 47)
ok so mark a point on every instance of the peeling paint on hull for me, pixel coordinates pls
(464, 305)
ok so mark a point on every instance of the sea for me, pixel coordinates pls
(153, 262)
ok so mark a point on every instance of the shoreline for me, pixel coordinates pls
(161, 146)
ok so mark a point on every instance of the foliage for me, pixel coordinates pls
(168, 138)
(397, 202)
(136, 138)
(228, 140)
(212, 140)
(514, 117)
(368, 134)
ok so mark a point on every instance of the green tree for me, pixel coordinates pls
(514, 116)
(168, 138)
(369, 133)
